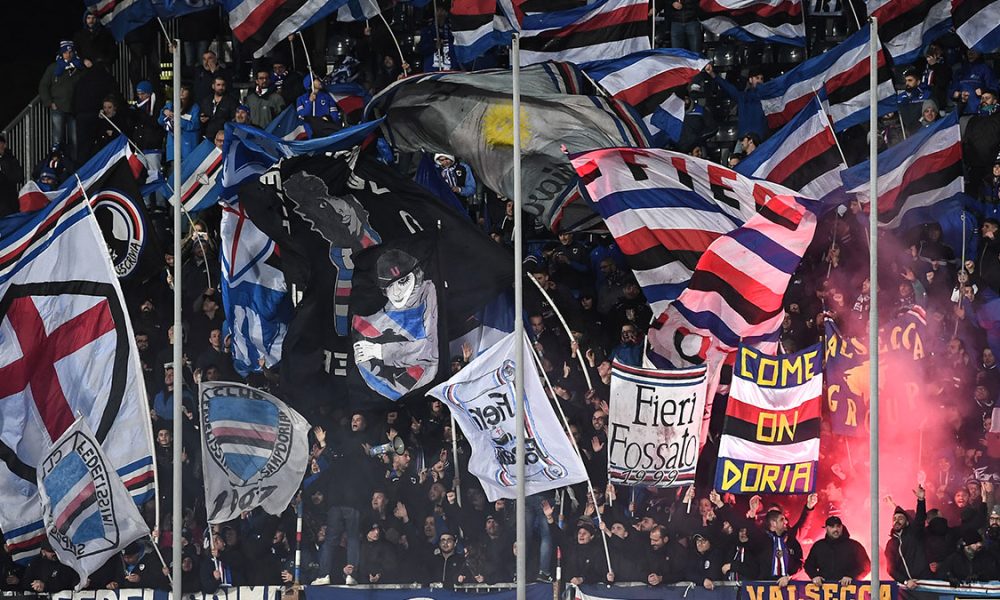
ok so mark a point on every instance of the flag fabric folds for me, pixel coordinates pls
(255, 450)
(261, 24)
(88, 514)
(472, 26)
(122, 16)
(604, 29)
(845, 374)
(770, 439)
(200, 185)
(288, 126)
(665, 209)
(977, 23)
(920, 171)
(649, 81)
(69, 349)
(841, 78)
(470, 115)
(907, 26)
(776, 21)
(802, 155)
(648, 445)
(481, 397)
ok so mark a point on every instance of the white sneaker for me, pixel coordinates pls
(349, 580)
(321, 581)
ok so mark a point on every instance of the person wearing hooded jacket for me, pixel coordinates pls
(904, 552)
(970, 563)
(317, 103)
(836, 557)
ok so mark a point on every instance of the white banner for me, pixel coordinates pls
(481, 397)
(255, 450)
(654, 425)
(89, 516)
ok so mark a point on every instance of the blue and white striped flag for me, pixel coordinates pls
(977, 22)
(122, 16)
(775, 21)
(88, 514)
(906, 27)
(200, 185)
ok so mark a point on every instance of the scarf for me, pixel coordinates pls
(779, 561)
(62, 66)
(450, 176)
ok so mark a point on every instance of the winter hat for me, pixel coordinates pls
(144, 87)
(244, 108)
(929, 104)
(971, 536)
(66, 45)
(899, 511)
(439, 156)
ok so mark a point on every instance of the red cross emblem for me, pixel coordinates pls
(30, 313)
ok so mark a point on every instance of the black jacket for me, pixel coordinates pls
(55, 575)
(833, 559)
(959, 568)
(700, 567)
(905, 551)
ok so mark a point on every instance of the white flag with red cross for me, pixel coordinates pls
(66, 349)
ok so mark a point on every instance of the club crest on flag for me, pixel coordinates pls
(248, 437)
(77, 481)
(89, 318)
(124, 230)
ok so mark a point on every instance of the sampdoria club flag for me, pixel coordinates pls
(88, 514)
(907, 26)
(919, 172)
(776, 21)
(68, 349)
(840, 76)
(254, 450)
(977, 22)
(654, 425)
(262, 24)
(481, 397)
(770, 439)
(601, 30)
(200, 185)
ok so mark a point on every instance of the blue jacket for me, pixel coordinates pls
(190, 129)
(750, 115)
(914, 96)
(973, 76)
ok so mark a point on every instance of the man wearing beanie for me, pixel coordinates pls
(970, 563)
(904, 552)
(56, 91)
(837, 557)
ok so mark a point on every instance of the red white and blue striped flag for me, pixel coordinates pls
(907, 26)
(977, 22)
(920, 171)
(840, 76)
(262, 24)
(777, 21)
(665, 209)
(605, 29)
(649, 82)
(802, 155)
(122, 16)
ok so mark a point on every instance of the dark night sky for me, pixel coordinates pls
(30, 40)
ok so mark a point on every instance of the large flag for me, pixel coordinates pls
(840, 76)
(770, 439)
(920, 171)
(777, 21)
(88, 514)
(351, 99)
(122, 16)
(654, 425)
(600, 30)
(68, 349)
(649, 82)
(906, 27)
(472, 26)
(200, 185)
(328, 210)
(802, 155)
(262, 24)
(255, 450)
(977, 22)
(481, 398)
(288, 126)
(665, 209)
(470, 115)
(171, 9)
(845, 374)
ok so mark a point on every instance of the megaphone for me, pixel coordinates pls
(396, 446)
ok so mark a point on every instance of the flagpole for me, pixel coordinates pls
(522, 520)
(569, 332)
(835, 139)
(178, 416)
(454, 460)
(873, 461)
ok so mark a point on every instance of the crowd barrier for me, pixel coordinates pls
(797, 590)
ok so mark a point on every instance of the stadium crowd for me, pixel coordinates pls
(419, 516)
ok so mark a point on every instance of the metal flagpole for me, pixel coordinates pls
(522, 516)
(454, 460)
(873, 46)
(569, 332)
(176, 506)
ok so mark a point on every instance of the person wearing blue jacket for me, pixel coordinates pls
(974, 76)
(317, 103)
(190, 123)
(750, 111)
